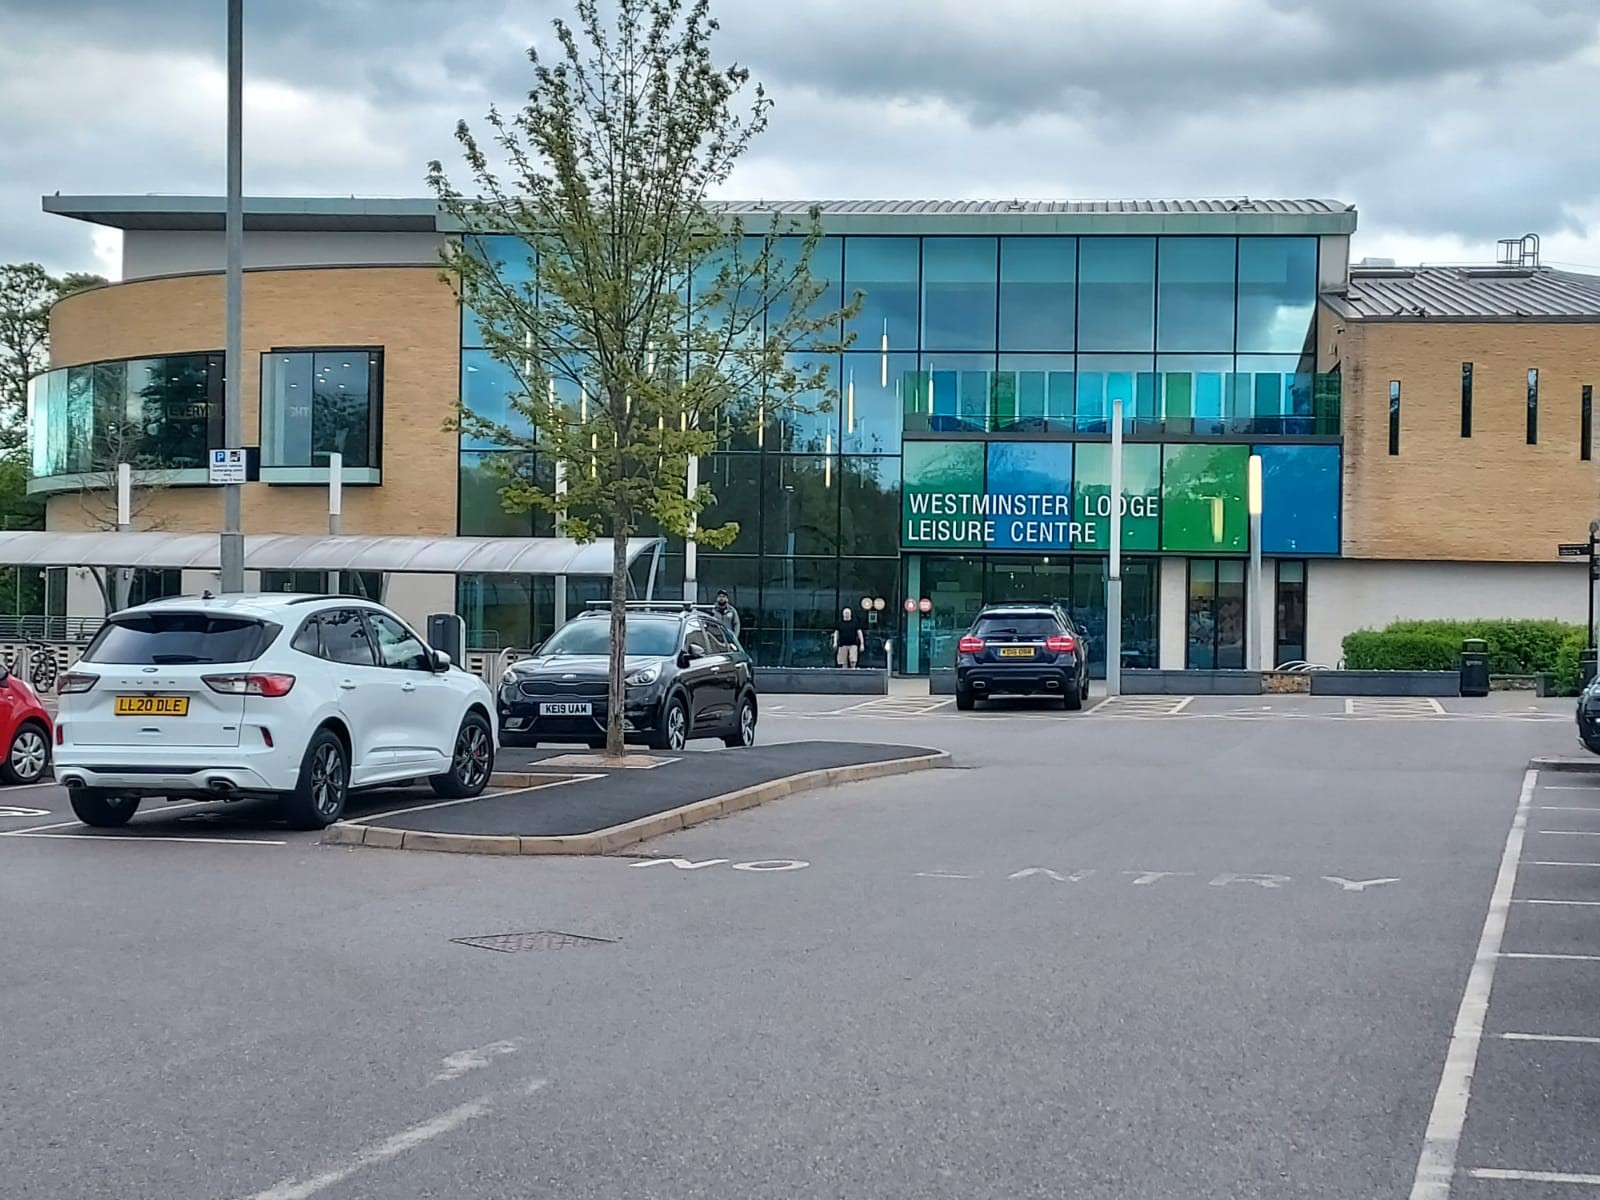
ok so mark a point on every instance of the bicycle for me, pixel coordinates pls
(42, 668)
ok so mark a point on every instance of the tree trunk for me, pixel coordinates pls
(616, 691)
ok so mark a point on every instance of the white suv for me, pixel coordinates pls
(302, 698)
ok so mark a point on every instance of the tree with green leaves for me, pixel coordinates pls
(27, 291)
(636, 318)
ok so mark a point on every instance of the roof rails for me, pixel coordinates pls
(645, 605)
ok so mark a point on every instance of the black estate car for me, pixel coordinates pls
(688, 677)
(1022, 650)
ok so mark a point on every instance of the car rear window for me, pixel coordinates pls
(156, 639)
(1020, 624)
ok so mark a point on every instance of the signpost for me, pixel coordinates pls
(228, 467)
(1585, 550)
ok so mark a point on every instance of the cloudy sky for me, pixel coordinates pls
(1449, 123)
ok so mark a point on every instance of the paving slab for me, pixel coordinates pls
(575, 814)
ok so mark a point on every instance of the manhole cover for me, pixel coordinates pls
(539, 939)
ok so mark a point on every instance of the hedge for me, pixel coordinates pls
(1515, 647)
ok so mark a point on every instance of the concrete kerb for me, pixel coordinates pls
(1570, 766)
(619, 837)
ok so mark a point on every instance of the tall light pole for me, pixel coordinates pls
(1114, 574)
(1253, 606)
(231, 551)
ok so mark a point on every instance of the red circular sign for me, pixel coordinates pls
(925, 605)
(911, 606)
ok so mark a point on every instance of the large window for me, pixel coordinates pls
(366, 584)
(315, 403)
(959, 276)
(1289, 640)
(1038, 293)
(155, 414)
(1116, 293)
(1216, 614)
(1277, 294)
(886, 271)
(1195, 296)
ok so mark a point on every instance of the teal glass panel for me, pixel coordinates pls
(959, 280)
(886, 271)
(1141, 496)
(1195, 294)
(1116, 293)
(940, 485)
(1038, 293)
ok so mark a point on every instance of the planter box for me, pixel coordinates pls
(1385, 683)
(1150, 682)
(827, 681)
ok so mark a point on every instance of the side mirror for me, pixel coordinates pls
(685, 657)
(441, 660)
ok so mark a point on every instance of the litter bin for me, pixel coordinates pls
(1586, 667)
(1474, 667)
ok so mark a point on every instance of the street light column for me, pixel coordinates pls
(231, 550)
(1253, 598)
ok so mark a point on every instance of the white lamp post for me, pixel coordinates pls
(1253, 605)
(1114, 574)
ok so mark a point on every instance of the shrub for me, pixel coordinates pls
(1374, 650)
(1515, 647)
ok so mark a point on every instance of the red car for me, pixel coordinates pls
(25, 731)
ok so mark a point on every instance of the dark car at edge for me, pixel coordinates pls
(687, 677)
(1022, 650)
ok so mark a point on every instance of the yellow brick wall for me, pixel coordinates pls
(406, 310)
(1487, 498)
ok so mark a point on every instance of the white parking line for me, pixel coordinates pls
(1553, 957)
(1436, 1164)
(1572, 903)
(1181, 705)
(1568, 808)
(1532, 1176)
(1551, 1037)
(1547, 862)
(1570, 832)
(1572, 787)
(70, 824)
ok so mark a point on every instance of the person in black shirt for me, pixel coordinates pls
(848, 640)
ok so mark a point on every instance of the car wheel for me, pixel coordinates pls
(29, 755)
(673, 731)
(1590, 743)
(744, 729)
(471, 762)
(965, 700)
(318, 799)
(101, 809)
(1072, 701)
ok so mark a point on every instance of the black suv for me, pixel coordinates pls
(688, 677)
(1022, 650)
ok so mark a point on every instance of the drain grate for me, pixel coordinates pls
(539, 939)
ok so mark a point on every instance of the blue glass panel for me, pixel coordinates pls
(1116, 293)
(1038, 293)
(514, 265)
(886, 271)
(1299, 499)
(1292, 413)
(959, 278)
(1042, 473)
(873, 406)
(959, 386)
(825, 268)
(1104, 378)
(1195, 295)
(1277, 294)
(487, 386)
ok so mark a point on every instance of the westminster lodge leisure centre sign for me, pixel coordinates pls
(1053, 496)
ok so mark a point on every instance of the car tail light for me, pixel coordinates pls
(61, 734)
(250, 685)
(266, 736)
(1061, 643)
(74, 682)
(970, 645)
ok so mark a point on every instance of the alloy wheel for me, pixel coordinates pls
(747, 726)
(328, 779)
(29, 753)
(677, 728)
(472, 756)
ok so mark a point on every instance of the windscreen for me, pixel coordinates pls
(155, 639)
(593, 636)
(1022, 625)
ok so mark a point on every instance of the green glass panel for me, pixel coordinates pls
(1141, 490)
(941, 482)
(1180, 397)
(1203, 499)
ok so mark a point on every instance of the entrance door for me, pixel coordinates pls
(953, 583)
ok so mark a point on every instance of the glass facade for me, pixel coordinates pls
(967, 456)
(157, 414)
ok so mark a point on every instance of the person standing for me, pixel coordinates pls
(848, 640)
(727, 614)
